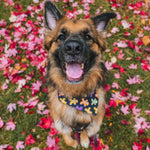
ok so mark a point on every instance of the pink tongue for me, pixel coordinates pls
(74, 71)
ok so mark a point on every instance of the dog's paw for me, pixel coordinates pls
(85, 142)
(70, 141)
(74, 144)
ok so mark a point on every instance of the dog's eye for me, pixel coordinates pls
(87, 37)
(61, 37)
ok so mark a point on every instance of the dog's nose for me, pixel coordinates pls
(73, 47)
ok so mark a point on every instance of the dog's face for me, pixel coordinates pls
(75, 50)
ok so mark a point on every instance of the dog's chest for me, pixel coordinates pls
(74, 117)
(69, 115)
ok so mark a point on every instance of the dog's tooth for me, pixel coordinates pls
(82, 66)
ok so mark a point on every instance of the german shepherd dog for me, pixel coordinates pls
(75, 72)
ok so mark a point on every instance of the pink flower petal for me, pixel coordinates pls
(117, 75)
(1, 123)
(10, 125)
(125, 109)
(20, 145)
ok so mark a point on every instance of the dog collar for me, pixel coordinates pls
(86, 104)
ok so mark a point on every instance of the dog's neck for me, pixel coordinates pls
(87, 104)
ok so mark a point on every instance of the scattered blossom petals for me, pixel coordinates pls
(133, 66)
(51, 142)
(122, 44)
(30, 140)
(36, 87)
(20, 145)
(125, 24)
(1, 123)
(125, 109)
(117, 75)
(45, 122)
(4, 86)
(115, 85)
(11, 107)
(10, 125)
(134, 80)
(114, 30)
(108, 65)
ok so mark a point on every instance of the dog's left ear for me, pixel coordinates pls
(51, 15)
(101, 21)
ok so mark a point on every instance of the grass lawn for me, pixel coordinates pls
(24, 116)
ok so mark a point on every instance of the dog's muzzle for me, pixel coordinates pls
(73, 60)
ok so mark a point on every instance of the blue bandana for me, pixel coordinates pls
(86, 104)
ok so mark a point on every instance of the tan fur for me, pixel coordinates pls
(63, 115)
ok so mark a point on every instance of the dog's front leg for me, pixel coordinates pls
(66, 133)
(91, 130)
(69, 140)
(97, 120)
(95, 125)
(84, 139)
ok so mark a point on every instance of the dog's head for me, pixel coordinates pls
(75, 50)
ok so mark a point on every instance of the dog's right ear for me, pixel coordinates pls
(51, 14)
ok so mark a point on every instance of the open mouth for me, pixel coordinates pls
(74, 71)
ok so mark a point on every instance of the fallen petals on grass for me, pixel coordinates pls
(141, 124)
(112, 103)
(147, 148)
(135, 98)
(45, 122)
(125, 109)
(137, 146)
(133, 66)
(10, 125)
(20, 145)
(115, 85)
(4, 86)
(53, 132)
(136, 111)
(1, 123)
(122, 44)
(107, 87)
(36, 87)
(114, 30)
(50, 142)
(3, 146)
(99, 144)
(30, 140)
(11, 107)
(108, 65)
(8, 147)
(117, 75)
(134, 80)
(125, 122)
(32, 102)
(147, 111)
